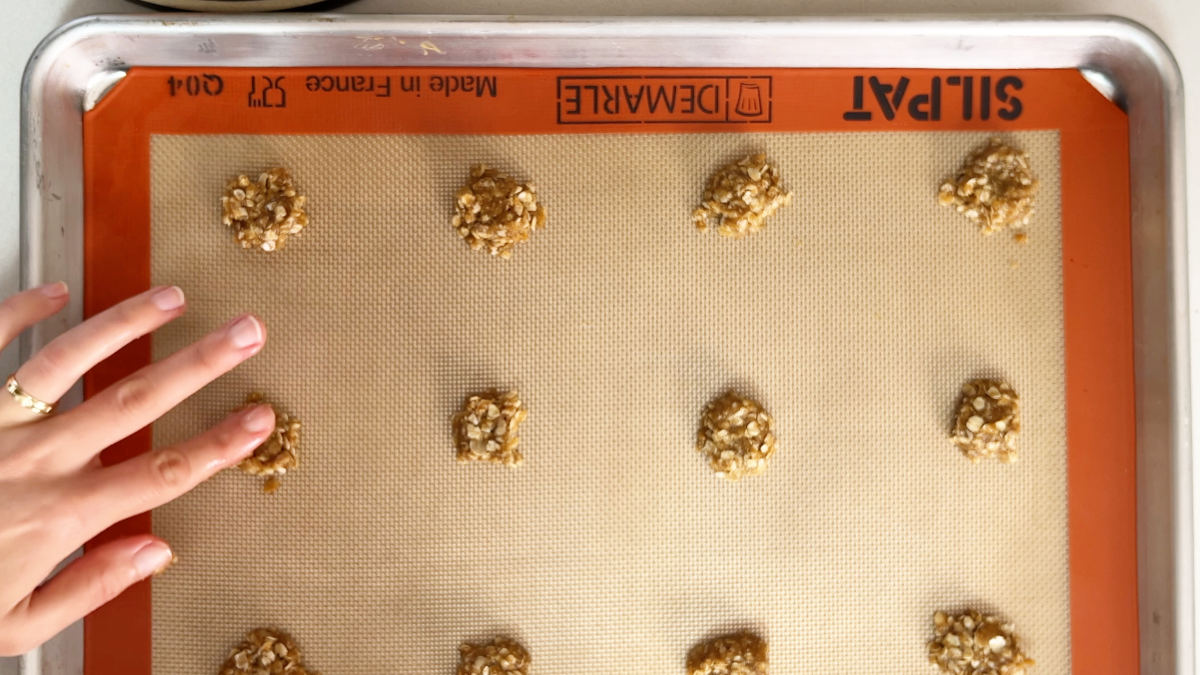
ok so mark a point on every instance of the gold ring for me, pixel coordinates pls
(25, 400)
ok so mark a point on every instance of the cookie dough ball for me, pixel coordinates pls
(501, 656)
(740, 197)
(264, 212)
(485, 430)
(266, 651)
(494, 212)
(994, 189)
(973, 643)
(737, 654)
(736, 436)
(988, 421)
(277, 454)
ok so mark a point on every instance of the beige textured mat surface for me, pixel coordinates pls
(854, 317)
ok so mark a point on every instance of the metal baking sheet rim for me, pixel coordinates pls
(78, 63)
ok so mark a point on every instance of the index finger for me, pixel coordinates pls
(146, 395)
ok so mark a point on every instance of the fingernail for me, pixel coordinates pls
(170, 563)
(54, 291)
(245, 332)
(168, 298)
(258, 420)
(151, 558)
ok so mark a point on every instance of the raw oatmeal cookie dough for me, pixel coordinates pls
(972, 643)
(263, 213)
(278, 453)
(736, 436)
(485, 430)
(740, 197)
(988, 421)
(994, 189)
(494, 213)
(266, 651)
(501, 656)
(737, 654)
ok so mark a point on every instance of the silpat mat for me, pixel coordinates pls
(854, 317)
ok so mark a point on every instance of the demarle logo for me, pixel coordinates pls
(650, 99)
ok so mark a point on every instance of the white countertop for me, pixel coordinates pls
(1176, 21)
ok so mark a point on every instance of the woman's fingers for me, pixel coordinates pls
(29, 307)
(54, 369)
(98, 576)
(154, 478)
(146, 395)
(102, 496)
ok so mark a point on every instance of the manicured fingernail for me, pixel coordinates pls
(245, 332)
(258, 420)
(170, 563)
(168, 298)
(151, 558)
(54, 291)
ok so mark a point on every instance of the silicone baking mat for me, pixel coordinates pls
(853, 317)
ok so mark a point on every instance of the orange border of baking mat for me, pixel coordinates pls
(1097, 272)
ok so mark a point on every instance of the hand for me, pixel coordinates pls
(55, 495)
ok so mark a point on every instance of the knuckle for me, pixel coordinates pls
(170, 469)
(25, 452)
(126, 316)
(70, 522)
(211, 356)
(110, 581)
(132, 396)
(51, 359)
(227, 435)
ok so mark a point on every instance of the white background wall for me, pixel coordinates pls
(1176, 21)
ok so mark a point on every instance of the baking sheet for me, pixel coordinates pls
(854, 318)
